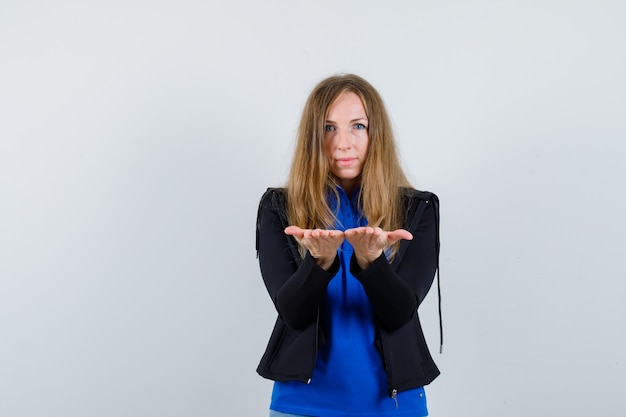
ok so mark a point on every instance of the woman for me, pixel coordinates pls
(347, 252)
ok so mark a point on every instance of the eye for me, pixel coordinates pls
(329, 128)
(360, 126)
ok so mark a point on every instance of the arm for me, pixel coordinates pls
(396, 293)
(297, 286)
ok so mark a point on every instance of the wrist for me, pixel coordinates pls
(365, 261)
(325, 263)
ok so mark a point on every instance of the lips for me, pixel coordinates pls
(344, 162)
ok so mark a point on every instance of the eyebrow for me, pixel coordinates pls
(351, 121)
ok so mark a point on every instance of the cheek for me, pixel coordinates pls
(365, 146)
(328, 145)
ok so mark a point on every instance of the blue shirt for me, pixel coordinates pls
(349, 378)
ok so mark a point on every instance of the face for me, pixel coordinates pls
(346, 139)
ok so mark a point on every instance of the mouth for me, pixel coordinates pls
(345, 161)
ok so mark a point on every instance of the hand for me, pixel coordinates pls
(322, 244)
(369, 242)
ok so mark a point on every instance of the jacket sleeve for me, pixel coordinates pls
(395, 290)
(296, 286)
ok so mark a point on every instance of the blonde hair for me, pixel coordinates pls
(310, 179)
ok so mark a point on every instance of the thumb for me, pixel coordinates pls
(399, 234)
(294, 231)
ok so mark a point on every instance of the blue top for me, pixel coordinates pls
(349, 378)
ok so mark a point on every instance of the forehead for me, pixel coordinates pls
(347, 104)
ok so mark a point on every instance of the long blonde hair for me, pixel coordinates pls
(310, 179)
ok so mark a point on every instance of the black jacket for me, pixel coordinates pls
(297, 287)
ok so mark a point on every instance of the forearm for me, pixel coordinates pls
(298, 299)
(396, 290)
(296, 286)
(392, 299)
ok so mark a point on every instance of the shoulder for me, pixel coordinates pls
(417, 203)
(273, 207)
(274, 198)
(411, 195)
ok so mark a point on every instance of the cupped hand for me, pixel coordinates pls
(322, 244)
(369, 242)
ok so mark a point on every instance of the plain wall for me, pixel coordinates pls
(136, 138)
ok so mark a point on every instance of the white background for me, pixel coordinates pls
(136, 138)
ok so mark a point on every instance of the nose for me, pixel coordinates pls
(344, 139)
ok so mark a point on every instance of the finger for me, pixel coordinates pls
(336, 234)
(377, 231)
(294, 231)
(355, 231)
(370, 235)
(320, 233)
(399, 234)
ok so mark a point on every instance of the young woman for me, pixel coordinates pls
(347, 251)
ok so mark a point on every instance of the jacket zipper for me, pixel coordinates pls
(394, 396)
(317, 329)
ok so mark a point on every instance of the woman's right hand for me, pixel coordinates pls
(322, 244)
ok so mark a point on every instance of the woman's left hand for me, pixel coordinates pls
(369, 242)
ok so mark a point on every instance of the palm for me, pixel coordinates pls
(321, 244)
(369, 242)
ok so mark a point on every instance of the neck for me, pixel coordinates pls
(349, 186)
